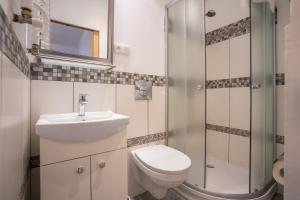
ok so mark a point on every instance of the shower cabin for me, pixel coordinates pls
(220, 93)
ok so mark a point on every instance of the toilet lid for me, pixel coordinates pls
(163, 159)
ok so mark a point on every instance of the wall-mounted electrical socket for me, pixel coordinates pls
(122, 49)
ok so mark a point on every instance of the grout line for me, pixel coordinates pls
(229, 91)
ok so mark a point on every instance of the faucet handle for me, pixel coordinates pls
(82, 97)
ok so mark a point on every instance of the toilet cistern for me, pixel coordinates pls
(82, 103)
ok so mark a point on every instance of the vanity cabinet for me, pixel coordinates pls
(66, 180)
(109, 175)
(97, 177)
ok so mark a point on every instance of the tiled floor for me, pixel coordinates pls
(173, 196)
(278, 197)
(148, 196)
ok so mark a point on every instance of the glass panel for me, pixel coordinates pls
(195, 72)
(262, 138)
(186, 82)
(228, 108)
(176, 76)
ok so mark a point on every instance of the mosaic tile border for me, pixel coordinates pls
(228, 83)
(10, 45)
(239, 82)
(280, 79)
(78, 74)
(229, 130)
(239, 132)
(279, 139)
(146, 139)
(236, 29)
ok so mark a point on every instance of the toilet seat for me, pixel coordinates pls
(163, 159)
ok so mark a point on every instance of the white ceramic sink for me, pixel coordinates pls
(71, 127)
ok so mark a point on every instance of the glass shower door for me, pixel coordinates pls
(186, 83)
(263, 83)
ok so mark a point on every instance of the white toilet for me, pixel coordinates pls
(159, 168)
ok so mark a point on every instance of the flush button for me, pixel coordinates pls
(143, 90)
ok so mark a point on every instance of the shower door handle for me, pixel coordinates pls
(256, 86)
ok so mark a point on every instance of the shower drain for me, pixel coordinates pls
(210, 166)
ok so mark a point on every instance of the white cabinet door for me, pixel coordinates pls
(109, 175)
(68, 180)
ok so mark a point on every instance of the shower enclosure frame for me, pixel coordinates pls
(270, 188)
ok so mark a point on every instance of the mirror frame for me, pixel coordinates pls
(56, 55)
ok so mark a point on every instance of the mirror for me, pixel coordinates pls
(80, 29)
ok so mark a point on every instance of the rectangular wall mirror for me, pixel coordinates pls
(80, 30)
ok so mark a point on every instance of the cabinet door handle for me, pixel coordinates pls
(102, 164)
(80, 170)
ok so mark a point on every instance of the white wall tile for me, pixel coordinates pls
(240, 56)
(218, 106)
(48, 97)
(135, 109)
(101, 97)
(239, 148)
(292, 108)
(280, 109)
(240, 108)
(14, 129)
(217, 145)
(217, 58)
(157, 110)
(283, 19)
(146, 49)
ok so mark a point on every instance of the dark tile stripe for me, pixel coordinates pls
(228, 83)
(10, 45)
(280, 139)
(228, 130)
(79, 74)
(240, 132)
(238, 82)
(146, 139)
(236, 29)
(280, 79)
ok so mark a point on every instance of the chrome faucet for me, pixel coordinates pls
(82, 103)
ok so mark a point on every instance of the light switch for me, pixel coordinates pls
(122, 49)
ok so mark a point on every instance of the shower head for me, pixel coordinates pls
(211, 13)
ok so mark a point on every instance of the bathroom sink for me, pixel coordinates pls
(71, 127)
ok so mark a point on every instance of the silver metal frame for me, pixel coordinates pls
(55, 55)
(265, 193)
